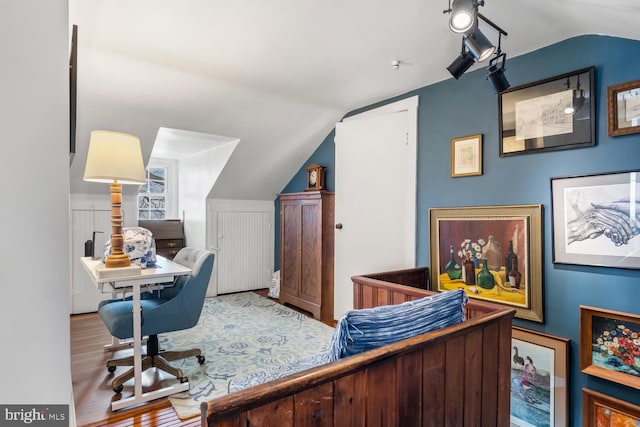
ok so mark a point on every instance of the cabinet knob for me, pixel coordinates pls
(339, 226)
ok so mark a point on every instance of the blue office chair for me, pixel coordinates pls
(170, 309)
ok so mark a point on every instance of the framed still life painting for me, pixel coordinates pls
(494, 253)
(610, 345)
(539, 385)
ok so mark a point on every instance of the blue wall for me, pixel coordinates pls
(451, 109)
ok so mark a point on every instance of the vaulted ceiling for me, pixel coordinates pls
(278, 74)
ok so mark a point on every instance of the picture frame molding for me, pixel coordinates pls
(534, 215)
(614, 107)
(561, 347)
(559, 230)
(473, 142)
(546, 87)
(586, 341)
(589, 400)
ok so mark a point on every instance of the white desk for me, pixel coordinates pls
(166, 272)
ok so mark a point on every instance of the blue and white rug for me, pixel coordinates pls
(239, 334)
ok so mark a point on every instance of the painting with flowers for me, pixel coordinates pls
(610, 345)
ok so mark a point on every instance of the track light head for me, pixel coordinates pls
(461, 64)
(495, 74)
(479, 45)
(463, 15)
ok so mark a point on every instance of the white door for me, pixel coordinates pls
(241, 235)
(375, 197)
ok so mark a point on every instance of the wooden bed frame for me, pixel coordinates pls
(456, 376)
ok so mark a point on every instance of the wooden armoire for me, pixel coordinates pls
(306, 251)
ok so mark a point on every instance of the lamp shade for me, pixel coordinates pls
(114, 156)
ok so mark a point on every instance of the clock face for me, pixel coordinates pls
(313, 177)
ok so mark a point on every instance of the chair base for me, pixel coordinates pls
(153, 359)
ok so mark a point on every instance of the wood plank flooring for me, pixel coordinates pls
(92, 383)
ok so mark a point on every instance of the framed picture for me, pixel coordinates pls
(601, 410)
(594, 222)
(539, 379)
(466, 156)
(508, 239)
(551, 114)
(623, 107)
(610, 345)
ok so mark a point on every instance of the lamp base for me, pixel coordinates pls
(115, 260)
(103, 272)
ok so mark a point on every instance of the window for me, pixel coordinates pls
(152, 197)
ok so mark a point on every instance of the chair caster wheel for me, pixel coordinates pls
(184, 380)
(201, 359)
(118, 389)
(111, 369)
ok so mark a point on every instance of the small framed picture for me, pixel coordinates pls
(623, 108)
(539, 381)
(601, 410)
(610, 345)
(466, 156)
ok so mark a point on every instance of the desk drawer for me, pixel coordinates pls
(168, 248)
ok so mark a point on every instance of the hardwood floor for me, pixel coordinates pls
(92, 383)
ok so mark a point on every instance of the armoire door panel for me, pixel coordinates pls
(291, 242)
(311, 261)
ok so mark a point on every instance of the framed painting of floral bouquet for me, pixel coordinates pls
(494, 253)
(610, 345)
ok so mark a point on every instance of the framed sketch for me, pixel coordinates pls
(464, 239)
(610, 345)
(551, 114)
(466, 156)
(596, 219)
(601, 410)
(539, 381)
(623, 108)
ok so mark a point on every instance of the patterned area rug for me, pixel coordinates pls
(239, 334)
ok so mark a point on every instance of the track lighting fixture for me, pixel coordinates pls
(476, 47)
(463, 15)
(479, 45)
(495, 74)
(462, 63)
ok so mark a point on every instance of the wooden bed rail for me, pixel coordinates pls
(456, 376)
